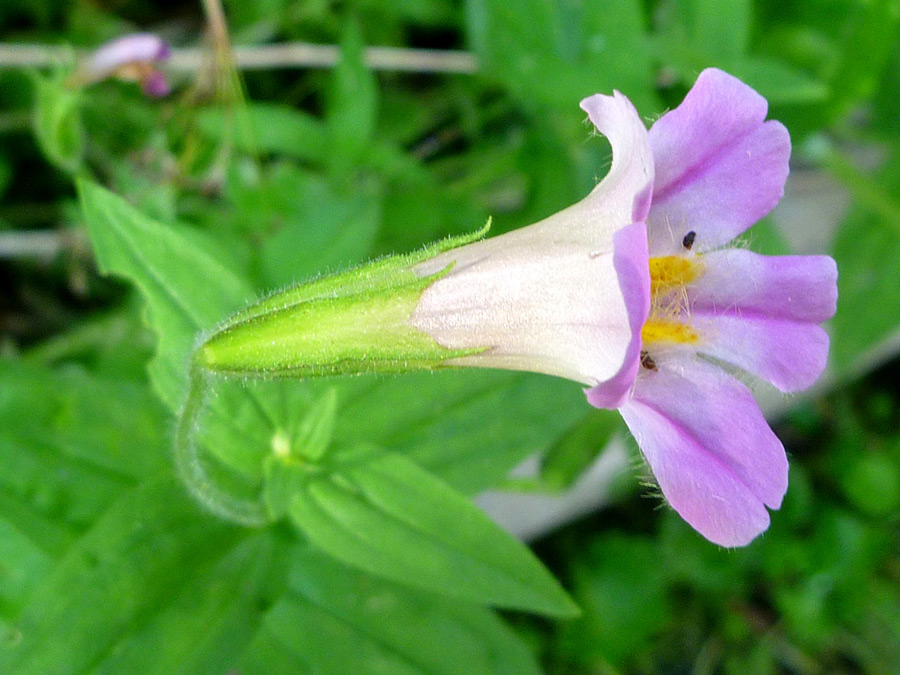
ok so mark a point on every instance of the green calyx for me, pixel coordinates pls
(351, 322)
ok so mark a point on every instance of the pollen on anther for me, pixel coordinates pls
(671, 272)
(663, 331)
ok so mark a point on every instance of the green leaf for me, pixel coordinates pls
(716, 29)
(872, 484)
(115, 426)
(867, 252)
(132, 563)
(70, 444)
(61, 488)
(470, 427)
(248, 421)
(22, 567)
(886, 99)
(57, 122)
(186, 288)
(313, 435)
(48, 534)
(558, 53)
(778, 82)
(352, 105)
(270, 128)
(336, 620)
(381, 513)
(113, 345)
(205, 627)
(868, 35)
(318, 228)
(577, 449)
(622, 586)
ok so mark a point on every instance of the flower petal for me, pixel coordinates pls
(719, 166)
(548, 297)
(537, 305)
(800, 288)
(156, 84)
(630, 260)
(624, 194)
(717, 461)
(789, 354)
(135, 48)
(760, 313)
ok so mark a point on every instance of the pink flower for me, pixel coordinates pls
(133, 58)
(719, 168)
(637, 292)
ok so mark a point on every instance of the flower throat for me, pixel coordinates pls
(669, 276)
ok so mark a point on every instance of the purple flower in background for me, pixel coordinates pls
(636, 292)
(133, 58)
(719, 167)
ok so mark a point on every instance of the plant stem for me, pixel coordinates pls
(190, 467)
(265, 57)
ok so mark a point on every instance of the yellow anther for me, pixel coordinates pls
(656, 330)
(671, 272)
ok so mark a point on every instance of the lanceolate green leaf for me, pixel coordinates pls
(70, 444)
(867, 251)
(113, 425)
(382, 513)
(352, 104)
(335, 620)
(556, 53)
(203, 629)
(57, 121)
(469, 428)
(138, 559)
(578, 448)
(24, 565)
(187, 290)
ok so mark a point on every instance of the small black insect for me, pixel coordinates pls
(647, 361)
(688, 240)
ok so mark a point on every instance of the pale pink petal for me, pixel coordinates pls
(156, 85)
(548, 297)
(800, 288)
(760, 313)
(789, 354)
(630, 261)
(624, 194)
(716, 460)
(135, 48)
(719, 166)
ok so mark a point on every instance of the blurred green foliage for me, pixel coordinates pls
(107, 567)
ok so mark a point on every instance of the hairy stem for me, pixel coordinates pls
(190, 465)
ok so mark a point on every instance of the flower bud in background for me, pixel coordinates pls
(133, 58)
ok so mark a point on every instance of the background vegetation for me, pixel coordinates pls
(107, 567)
